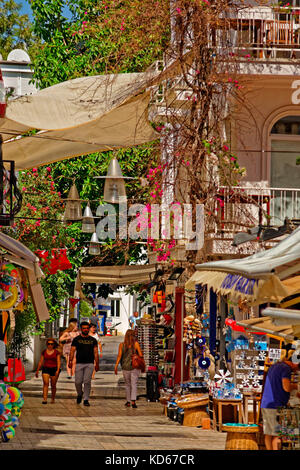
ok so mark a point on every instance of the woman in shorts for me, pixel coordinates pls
(50, 364)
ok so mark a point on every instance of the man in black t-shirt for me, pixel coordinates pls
(87, 358)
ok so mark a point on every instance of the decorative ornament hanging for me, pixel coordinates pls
(262, 355)
(204, 362)
(73, 302)
(223, 377)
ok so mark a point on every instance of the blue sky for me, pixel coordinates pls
(25, 8)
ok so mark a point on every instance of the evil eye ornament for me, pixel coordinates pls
(200, 341)
(204, 362)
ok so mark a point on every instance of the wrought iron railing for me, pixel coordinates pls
(239, 208)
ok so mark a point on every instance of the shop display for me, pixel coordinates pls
(11, 402)
(146, 329)
(289, 428)
(248, 364)
(163, 316)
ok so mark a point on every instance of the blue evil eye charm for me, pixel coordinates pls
(204, 362)
(200, 341)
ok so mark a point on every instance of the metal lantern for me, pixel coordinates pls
(114, 187)
(73, 209)
(94, 248)
(88, 224)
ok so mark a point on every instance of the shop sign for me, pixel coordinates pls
(239, 283)
(109, 322)
(275, 354)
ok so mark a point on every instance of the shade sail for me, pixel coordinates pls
(116, 275)
(20, 255)
(78, 117)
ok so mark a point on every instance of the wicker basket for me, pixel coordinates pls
(193, 416)
(241, 437)
(261, 438)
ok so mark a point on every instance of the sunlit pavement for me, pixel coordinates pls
(106, 425)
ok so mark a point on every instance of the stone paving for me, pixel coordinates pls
(105, 425)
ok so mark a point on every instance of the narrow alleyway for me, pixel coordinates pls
(106, 424)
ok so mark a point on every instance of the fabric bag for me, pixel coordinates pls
(138, 362)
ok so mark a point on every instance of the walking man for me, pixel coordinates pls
(87, 357)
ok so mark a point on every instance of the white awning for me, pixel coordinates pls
(258, 278)
(281, 260)
(115, 275)
(78, 117)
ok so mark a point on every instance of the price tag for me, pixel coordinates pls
(275, 354)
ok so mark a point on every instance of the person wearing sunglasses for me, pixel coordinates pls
(50, 362)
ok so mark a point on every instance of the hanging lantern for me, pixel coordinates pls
(94, 248)
(114, 187)
(88, 224)
(2, 97)
(73, 209)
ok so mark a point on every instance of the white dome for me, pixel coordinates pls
(18, 55)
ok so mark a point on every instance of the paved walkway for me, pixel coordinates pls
(105, 425)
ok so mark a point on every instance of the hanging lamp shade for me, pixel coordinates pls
(73, 209)
(94, 248)
(88, 224)
(114, 187)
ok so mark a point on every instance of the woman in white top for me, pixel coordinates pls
(93, 332)
(66, 340)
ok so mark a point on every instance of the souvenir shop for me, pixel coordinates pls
(227, 350)
(19, 278)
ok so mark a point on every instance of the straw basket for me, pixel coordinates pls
(241, 437)
(261, 438)
(194, 410)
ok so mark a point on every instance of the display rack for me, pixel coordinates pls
(147, 340)
(248, 369)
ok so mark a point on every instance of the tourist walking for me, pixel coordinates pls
(87, 358)
(66, 340)
(94, 334)
(129, 347)
(49, 362)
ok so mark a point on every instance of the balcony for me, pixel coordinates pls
(240, 208)
(259, 33)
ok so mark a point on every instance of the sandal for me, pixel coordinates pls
(127, 403)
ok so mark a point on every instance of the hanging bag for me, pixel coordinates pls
(138, 362)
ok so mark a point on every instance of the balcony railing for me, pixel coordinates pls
(239, 208)
(259, 33)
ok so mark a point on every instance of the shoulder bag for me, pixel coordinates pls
(138, 362)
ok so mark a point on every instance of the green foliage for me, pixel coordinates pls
(111, 37)
(15, 30)
(24, 323)
(85, 309)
